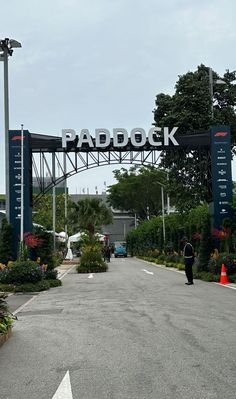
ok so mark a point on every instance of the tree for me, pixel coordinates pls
(43, 212)
(6, 242)
(206, 245)
(138, 191)
(190, 109)
(90, 214)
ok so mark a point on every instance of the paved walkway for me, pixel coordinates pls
(18, 300)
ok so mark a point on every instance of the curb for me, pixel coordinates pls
(229, 285)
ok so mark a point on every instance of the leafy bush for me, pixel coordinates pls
(6, 240)
(21, 272)
(54, 283)
(45, 250)
(6, 318)
(50, 274)
(229, 260)
(206, 276)
(91, 262)
(92, 269)
(42, 285)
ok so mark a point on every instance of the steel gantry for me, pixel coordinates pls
(52, 164)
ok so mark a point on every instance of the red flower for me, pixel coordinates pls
(32, 241)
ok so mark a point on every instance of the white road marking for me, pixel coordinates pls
(66, 272)
(24, 305)
(91, 275)
(64, 389)
(226, 286)
(146, 271)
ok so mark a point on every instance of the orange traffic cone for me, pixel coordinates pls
(223, 276)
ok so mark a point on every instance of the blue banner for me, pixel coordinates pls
(15, 165)
(221, 174)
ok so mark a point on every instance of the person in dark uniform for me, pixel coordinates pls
(188, 254)
(108, 253)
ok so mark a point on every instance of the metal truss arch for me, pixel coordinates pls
(71, 163)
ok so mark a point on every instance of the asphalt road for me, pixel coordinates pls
(134, 332)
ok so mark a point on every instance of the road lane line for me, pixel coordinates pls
(146, 271)
(68, 271)
(226, 286)
(24, 305)
(64, 389)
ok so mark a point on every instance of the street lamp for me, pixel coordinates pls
(211, 85)
(6, 50)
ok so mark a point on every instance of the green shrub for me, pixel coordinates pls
(50, 274)
(55, 283)
(206, 276)
(42, 285)
(180, 266)
(21, 272)
(44, 251)
(229, 260)
(6, 242)
(92, 269)
(91, 260)
(6, 318)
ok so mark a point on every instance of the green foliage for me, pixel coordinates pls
(21, 272)
(206, 245)
(89, 215)
(6, 318)
(92, 266)
(190, 109)
(206, 276)
(43, 212)
(6, 242)
(91, 262)
(50, 274)
(138, 191)
(148, 237)
(229, 260)
(42, 285)
(45, 250)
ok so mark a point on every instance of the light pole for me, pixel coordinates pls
(211, 87)
(6, 50)
(162, 209)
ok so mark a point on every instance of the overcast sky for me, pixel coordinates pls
(100, 63)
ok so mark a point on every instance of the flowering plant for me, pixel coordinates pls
(6, 318)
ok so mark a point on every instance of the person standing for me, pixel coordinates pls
(188, 254)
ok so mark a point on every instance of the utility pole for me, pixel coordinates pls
(6, 46)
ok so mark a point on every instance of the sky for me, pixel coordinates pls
(101, 63)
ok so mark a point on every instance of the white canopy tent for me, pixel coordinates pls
(75, 238)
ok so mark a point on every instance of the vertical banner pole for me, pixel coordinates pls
(22, 191)
(54, 202)
(65, 195)
(163, 214)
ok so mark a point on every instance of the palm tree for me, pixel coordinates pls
(90, 214)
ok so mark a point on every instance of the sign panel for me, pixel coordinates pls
(15, 165)
(156, 137)
(221, 174)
